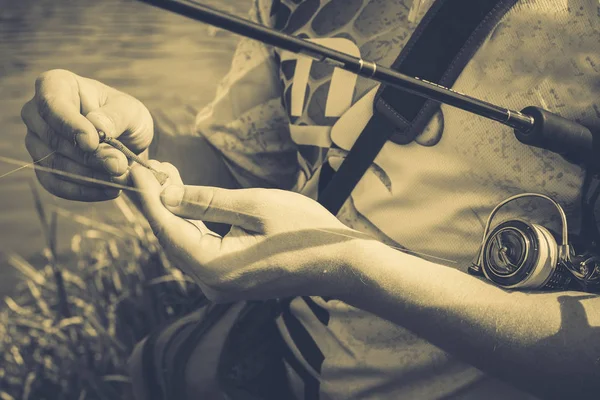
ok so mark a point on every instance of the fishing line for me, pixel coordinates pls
(84, 178)
(25, 166)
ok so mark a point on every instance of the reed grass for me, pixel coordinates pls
(69, 330)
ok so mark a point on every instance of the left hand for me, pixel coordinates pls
(281, 244)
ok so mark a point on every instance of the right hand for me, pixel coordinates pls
(64, 117)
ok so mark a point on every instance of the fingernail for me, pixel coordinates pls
(172, 196)
(113, 165)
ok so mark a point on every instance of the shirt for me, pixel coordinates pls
(278, 118)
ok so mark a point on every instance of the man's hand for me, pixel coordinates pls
(64, 117)
(280, 243)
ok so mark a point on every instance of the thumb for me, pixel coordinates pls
(170, 230)
(238, 207)
(126, 118)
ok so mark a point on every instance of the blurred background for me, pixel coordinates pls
(170, 63)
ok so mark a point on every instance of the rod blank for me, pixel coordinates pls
(532, 125)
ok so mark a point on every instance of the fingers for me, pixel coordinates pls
(69, 188)
(174, 233)
(175, 179)
(241, 207)
(105, 158)
(55, 117)
(148, 189)
(58, 102)
(134, 128)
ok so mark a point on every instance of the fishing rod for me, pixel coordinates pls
(532, 126)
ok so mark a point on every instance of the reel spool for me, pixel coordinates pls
(521, 255)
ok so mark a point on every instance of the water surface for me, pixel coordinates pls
(171, 63)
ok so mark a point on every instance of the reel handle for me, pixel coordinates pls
(571, 140)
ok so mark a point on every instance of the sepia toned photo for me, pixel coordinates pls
(299, 199)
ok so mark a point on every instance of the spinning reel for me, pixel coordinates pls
(521, 255)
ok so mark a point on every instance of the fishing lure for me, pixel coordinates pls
(104, 138)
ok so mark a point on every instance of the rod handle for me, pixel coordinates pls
(571, 140)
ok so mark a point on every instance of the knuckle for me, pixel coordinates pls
(204, 201)
(51, 74)
(42, 79)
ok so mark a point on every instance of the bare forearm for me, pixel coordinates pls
(542, 342)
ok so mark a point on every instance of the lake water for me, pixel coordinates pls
(171, 63)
